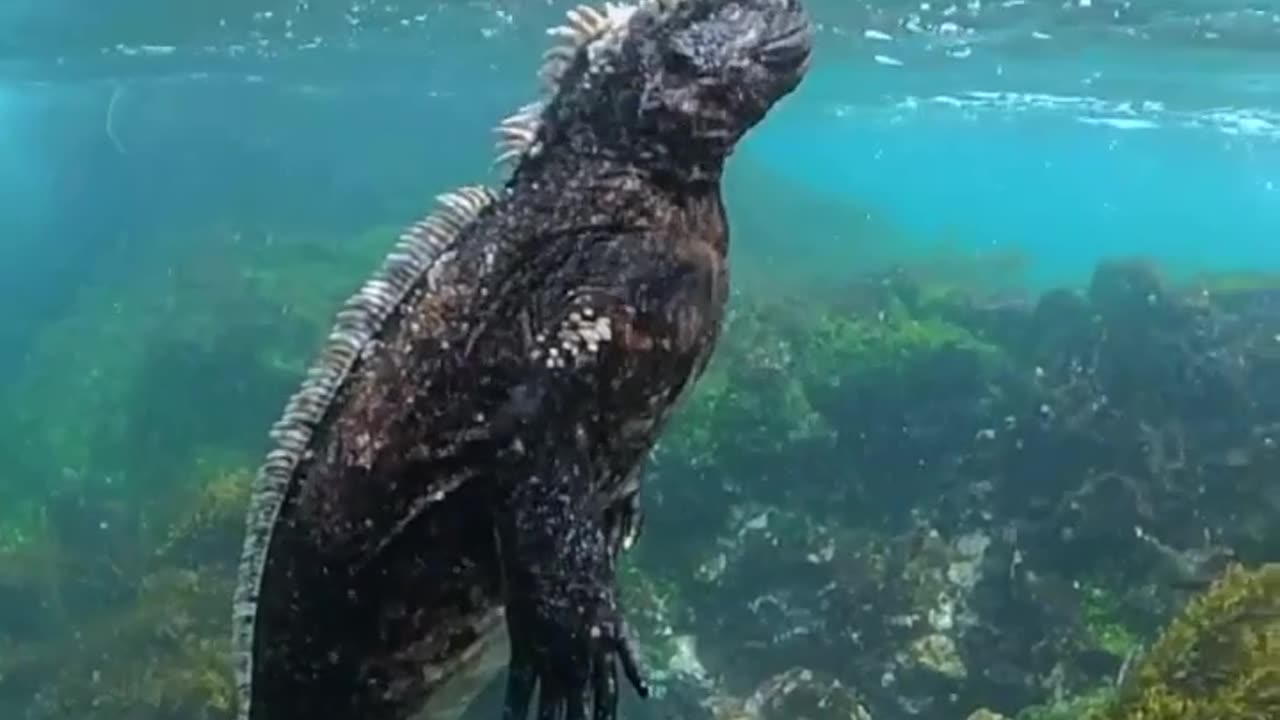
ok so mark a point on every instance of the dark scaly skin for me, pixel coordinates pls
(579, 427)
(457, 472)
(522, 400)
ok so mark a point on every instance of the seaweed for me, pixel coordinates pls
(124, 622)
(1219, 659)
(933, 499)
(167, 356)
(1104, 623)
(1075, 707)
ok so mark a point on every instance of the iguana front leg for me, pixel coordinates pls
(558, 548)
(566, 631)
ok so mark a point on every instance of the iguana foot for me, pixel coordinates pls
(573, 660)
(566, 632)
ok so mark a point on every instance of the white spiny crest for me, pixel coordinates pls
(422, 251)
(518, 134)
(586, 24)
(659, 5)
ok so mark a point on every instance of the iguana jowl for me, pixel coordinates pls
(463, 458)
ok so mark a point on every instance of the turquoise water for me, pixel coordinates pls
(1061, 132)
(1012, 143)
(1067, 177)
(149, 149)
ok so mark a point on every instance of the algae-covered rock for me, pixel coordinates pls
(937, 652)
(803, 694)
(122, 606)
(943, 503)
(1073, 707)
(1218, 660)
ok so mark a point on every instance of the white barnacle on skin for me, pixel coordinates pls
(554, 358)
(582, 333)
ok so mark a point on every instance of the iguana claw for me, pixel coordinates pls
(625, 521)
(574, 669)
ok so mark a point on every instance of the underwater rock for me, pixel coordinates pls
(929, 503)
(1219, 658)
(1126, 288)
(983, 530)
(1062, 328)
(1029, 475)
(797, 694)
(938, 653)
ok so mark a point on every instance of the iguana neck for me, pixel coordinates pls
(612, 177)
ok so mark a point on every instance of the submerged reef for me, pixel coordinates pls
(1218, 660)
(953, 503)
(898, 498)
(132, 439)
(126, 620)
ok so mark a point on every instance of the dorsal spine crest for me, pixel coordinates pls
(416, 257)
(586, 25)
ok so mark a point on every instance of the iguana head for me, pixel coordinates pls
(668, 84)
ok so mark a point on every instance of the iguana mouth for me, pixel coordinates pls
(788, 50)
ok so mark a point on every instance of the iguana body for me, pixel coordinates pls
(463, 458)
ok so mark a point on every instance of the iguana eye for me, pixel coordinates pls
(678, 62)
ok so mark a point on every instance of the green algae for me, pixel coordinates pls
(1076, 707)
(1102, 615)
(159, 364)
(1234, 281)
(769, 399)
(140, 415)
(134, 624)
(1219, 659)
(749, 396)
(845, 348)
(779, 361)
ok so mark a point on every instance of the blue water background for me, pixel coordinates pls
(1064, 132)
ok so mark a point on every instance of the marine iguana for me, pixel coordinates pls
(463, 458)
